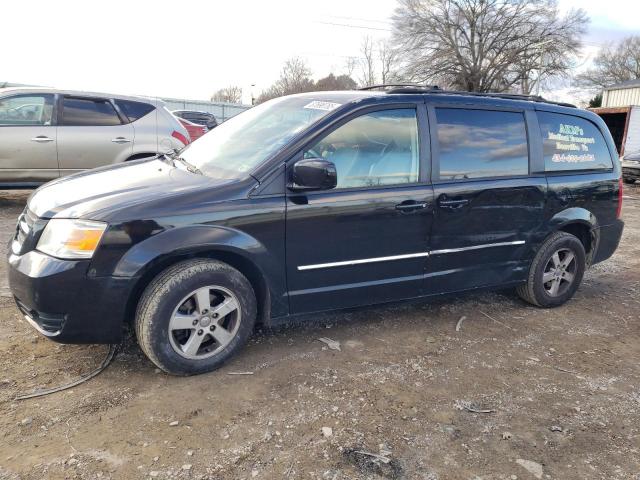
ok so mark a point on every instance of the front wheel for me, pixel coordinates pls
(556, 271)
(194, 316)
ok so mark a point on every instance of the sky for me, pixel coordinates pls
(190, 49)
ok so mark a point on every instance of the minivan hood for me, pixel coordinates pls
(111, 188)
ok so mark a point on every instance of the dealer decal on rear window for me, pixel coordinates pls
(572, 143)
(570, 138)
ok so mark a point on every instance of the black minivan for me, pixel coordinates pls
(314, 202)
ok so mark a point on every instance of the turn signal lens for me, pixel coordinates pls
(71, 239)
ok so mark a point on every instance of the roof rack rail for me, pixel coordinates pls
(385, 86)
(415, 88)
(508, 96)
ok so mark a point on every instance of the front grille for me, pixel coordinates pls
(27, 232)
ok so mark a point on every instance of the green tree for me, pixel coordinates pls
(596, 101)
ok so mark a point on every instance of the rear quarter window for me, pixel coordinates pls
(134, 110)
(572, 143)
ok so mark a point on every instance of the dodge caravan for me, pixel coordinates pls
(314, 202)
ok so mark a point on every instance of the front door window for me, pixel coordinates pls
(379, 148)
(26, 110)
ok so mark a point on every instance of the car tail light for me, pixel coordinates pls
(185, 141)
(619, 209)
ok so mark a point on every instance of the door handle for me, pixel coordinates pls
(42, 139)
(410, 205)
(453, 204)
(121, 140)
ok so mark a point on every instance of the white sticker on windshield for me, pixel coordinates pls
(319, 105)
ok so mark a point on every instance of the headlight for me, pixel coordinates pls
(71, 239)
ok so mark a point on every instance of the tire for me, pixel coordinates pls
(629, 180)
(563, 283)
(212, 300)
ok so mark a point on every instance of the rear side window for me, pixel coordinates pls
(481, 143)
(572, 143)
(88, 112)
(134, 110)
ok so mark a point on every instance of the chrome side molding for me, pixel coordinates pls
(406, 256)
(476, 247)
(363, 260)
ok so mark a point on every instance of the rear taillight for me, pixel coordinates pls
(185, 141)
(619, 209)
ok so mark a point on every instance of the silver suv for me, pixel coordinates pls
(48, 133)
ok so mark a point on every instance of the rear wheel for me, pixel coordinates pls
(556, 271)
(194, 316)
(629, 180)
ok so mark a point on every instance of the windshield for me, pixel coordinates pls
(243, 142)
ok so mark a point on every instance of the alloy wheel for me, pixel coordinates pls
(559, 272)
(204, 322)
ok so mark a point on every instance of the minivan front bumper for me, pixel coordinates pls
(60, 300)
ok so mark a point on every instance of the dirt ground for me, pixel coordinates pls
(517, 393)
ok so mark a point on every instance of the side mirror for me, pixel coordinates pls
(313, 174)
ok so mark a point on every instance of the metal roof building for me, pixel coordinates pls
(622, 95)
(620, 110)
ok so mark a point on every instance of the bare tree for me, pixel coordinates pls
(614, 64)
(350, 65)
(295, 77)
(366, 63)
(378, 63)
(230, 94)
(486, 45)
(388, 57)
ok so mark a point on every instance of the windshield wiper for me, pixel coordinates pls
(172, 157)
(190, 167)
